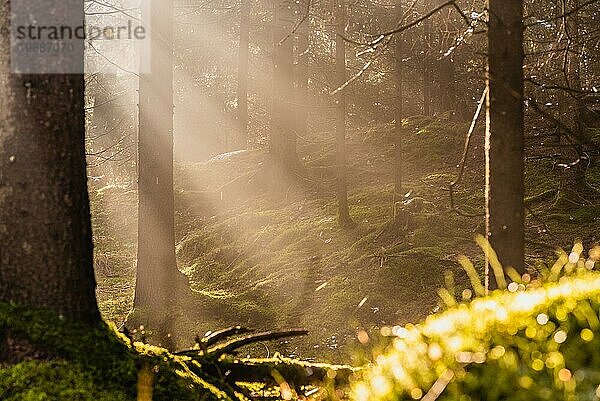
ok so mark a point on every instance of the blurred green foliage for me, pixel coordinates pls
(536, 340)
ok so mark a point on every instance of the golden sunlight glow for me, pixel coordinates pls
(463, 336)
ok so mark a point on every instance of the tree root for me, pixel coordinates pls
(213, 359)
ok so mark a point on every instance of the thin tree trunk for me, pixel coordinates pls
(344, 219)
(504, 133)
(573, 68)
(572, 181)
(446, 80)
(108, 125)
(427, 79)
(157, 273)
(101, 133)
(45, 230)
(283, 138)
(242, 88)
(301, 79)
(398, 174)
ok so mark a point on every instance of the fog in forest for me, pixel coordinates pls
(270, 230)
(351, 179)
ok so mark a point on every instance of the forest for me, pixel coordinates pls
(299, 200)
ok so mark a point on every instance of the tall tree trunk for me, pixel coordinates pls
(446, 80)
(427, 79)
(45, 230)
(283, 138)
(504, 133)
(573, 68)
(242, 87)
(573, 184)
(398, 174)
(157, 273)
(344, 219)
(301, 79)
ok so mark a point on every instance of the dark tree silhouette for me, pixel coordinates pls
(45, 230)
(504, 134)
(242, 75)
(340, 67)
(301, 78)
(283, 137)
(399, 110)
(444, 65)
(426, 88)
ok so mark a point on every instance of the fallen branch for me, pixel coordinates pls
(210, 349)
(230, 346)
(219, 335)
(297, 373)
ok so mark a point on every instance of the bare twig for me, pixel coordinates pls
(405, 27)
(297, 24)
(464, 157)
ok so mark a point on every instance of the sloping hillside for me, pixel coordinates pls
(269, 254)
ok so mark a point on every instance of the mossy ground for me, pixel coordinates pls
(36, 380)
(274, 257)
(88, 363)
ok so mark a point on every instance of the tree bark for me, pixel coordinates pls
(157, 273)
(283, 137)
(427, 80)
(344, 219)
(446, 80)
(504, 133)
(572, 181)
(573, 69)
(301, 79)
(398, 174)
(242, 88)
(45, 230)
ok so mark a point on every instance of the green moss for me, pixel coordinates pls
(537, 344)
(586, 214)
(541, 176)
(260, 258)
(576, 216)
(56, 380)
(435, 140)
(89, 363)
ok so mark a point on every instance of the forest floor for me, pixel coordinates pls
(272, 256)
